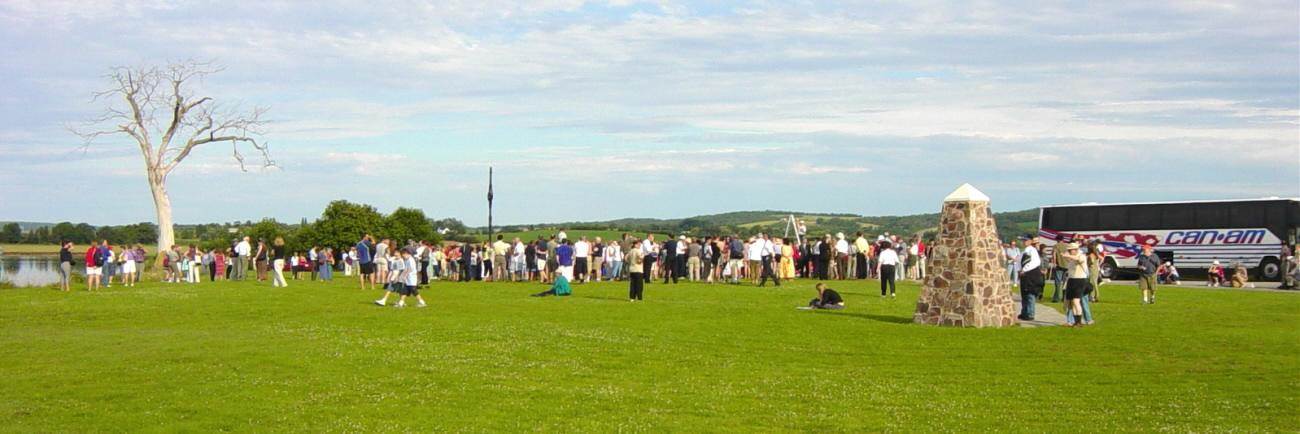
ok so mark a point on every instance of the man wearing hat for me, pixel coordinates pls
(1148, 264)
(1061, 266)
(1031, 278)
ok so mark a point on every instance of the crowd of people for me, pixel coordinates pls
(728, 259)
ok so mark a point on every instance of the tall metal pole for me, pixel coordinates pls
(490, 232)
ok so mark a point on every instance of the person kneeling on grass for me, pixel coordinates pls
(404, 280)
(560, 288)
(826, 299)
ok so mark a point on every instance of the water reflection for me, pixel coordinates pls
(32, 270)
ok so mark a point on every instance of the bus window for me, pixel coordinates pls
(1113, 216)
(1180, 217)
(1144, 217)
(1082, 219)
(1248, 215)
(1209, 216)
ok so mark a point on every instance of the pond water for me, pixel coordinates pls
(38, 270)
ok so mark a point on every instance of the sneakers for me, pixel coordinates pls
(422, 304)
(399, 305)
(380, 303)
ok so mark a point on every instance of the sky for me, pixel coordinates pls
(592, 110)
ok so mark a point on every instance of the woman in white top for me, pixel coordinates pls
(888, 261)
(614, 257)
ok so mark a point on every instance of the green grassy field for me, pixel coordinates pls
(48, 249)
(486, 357)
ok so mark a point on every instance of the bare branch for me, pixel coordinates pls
(139, 98)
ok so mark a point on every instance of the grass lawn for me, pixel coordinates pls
(486, 357)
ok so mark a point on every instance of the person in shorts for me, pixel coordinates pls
(94, 267)
(366, 261)
(410, 278)
(1148, 265)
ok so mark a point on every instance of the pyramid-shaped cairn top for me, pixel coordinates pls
(966, 193)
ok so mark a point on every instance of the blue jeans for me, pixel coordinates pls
(616, 268)
(325, 272)
(1027, 301)
(1087, 311)
(1058, 279)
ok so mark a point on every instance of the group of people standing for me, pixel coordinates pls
(1075, 269)
(757, 259)
(103, 265)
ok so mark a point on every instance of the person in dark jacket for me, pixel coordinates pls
(65, 266)
(1031, 279)
(669, 253)
(826, 299)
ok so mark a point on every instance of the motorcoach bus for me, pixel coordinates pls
(1251, 232)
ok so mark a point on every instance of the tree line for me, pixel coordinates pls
(341, 224)
(81, 233)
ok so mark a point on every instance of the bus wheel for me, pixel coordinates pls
(1108, 268)
(1270, 269)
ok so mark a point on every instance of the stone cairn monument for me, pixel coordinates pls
(966, 284)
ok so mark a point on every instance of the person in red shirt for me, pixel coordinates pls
(920, 257)
(94, 267)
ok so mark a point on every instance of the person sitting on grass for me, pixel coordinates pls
(560, 288)
(826, 299)
(1214, 275)
(1240, 276)
(1169, 274)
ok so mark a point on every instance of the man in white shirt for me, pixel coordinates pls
(650, 255)
(519, 261)
(754, 254)
(888, 260)
(243, 250)
(1031, 278)
(766, 255)
(500, 251)
(841, 256)
(582, 259)
(422, 256)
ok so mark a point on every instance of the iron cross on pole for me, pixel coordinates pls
(489, 236)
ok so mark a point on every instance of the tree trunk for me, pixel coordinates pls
(163, 205)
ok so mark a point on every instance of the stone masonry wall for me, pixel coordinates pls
(967, 284)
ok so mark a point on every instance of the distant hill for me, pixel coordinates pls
(1010, 224)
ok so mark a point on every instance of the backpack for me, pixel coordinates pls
(99, 259)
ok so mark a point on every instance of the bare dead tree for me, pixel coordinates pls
(158, 108)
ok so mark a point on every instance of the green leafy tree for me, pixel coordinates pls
(12, 233)
(80, 233)
(343, 223)
(409, 224)
(39, 236)
(268, 229)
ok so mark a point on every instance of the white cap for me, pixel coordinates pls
(966, 193)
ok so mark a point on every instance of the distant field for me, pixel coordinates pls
(575, 234)
(30, 249)
(47, 249)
